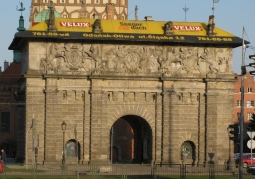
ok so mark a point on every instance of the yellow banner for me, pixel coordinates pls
(130, 27)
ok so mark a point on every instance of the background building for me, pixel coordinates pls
(8, 107)
(86, 9)
(249, 109)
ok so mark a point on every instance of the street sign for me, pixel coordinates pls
(251, 134)
(251, 144)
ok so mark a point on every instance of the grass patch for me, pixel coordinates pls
(7, 170)
(120, 177)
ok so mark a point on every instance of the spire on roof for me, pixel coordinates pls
(21, 19)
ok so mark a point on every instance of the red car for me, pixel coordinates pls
(246, 160)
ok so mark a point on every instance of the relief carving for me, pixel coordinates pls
(65, 57)
(92, 58)
(134, 60)
(73, 56)
(150, 59)
(189, 59)
(47, 64)
(207, 64)
(172, 63)
(115, 59)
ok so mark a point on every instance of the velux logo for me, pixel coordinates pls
(187, 28)
(74, 24)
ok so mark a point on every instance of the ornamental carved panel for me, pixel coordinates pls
(101, 59)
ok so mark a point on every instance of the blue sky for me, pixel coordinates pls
(230, 15)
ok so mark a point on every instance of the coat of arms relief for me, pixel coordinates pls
(135, 59)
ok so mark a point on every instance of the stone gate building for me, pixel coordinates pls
(172, 82)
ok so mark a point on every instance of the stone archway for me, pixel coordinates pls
(133, 135)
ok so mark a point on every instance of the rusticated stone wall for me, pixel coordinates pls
(170, 94)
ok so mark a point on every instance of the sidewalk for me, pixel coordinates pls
(10, 163)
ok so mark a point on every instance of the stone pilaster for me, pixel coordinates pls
(200, 152)
(158, 129)
(99, 153)
(211, 121)
(52, 134)
(86, 128)
(105, 130)
(166, 119)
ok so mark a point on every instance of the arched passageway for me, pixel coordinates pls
(131, 140)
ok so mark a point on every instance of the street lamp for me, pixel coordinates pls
(63, 126)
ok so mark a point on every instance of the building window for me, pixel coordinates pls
(240, 90)
(249, 90)
(238, 103)
(238, 115)
(249, 116)
(96, 1)
(63, 1)
(250, 103)
(5, 122)
(45, 0)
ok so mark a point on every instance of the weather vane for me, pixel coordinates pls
(21, 8)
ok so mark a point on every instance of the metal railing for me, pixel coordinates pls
(123, 171)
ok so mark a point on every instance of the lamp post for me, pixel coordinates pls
(63, 126)
(229, 150)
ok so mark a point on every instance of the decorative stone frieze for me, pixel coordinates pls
(134, 60)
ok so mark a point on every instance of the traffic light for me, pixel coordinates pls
(251, 125)
(252, 64)
(234, 130)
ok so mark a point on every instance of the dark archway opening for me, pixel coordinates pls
(72, 149)
(188, 152)
(131, 140)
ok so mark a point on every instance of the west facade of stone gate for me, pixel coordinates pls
(170, 82)
(178, 100)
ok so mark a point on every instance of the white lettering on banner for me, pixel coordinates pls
(187, 28)
(74, 24)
